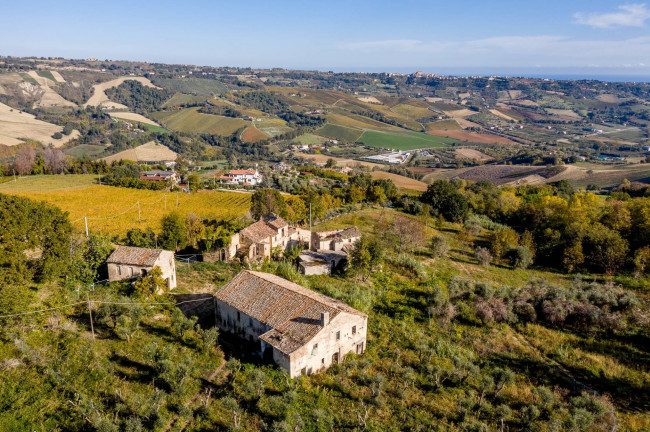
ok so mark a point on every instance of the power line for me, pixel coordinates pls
(104, 302)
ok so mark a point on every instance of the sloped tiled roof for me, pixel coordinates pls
(278, 223)
(134, 256)
(258, 231)
(293, 312)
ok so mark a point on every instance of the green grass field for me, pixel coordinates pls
(48, 183)
(340, 133)
(85, 150)
(28, 78)
(46, 74)
(190, 120)
(193, 86)
(308, 139)
(402, 140)
(182, 99)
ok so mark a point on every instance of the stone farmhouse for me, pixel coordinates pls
(257, 241)
(249, 177)
(335, 240)
(302, 331)
(128, 262)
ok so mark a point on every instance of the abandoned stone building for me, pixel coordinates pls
(329, 250)
(303, 331)
(335, 240)
(257, 241)
(128, 262)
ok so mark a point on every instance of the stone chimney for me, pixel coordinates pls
(324, 318)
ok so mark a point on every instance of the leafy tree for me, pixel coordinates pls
(606, 249)
(139, 238)
(366, 256)
(173, 233)
(209, 337)
(151, 283)
(444, 199)
(376, 194)
(642, 259)
(90, 258)
(267, 201)
(502, 240)
(128, 322)
(520, 257)
(331, 163)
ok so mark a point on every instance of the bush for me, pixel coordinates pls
(483, 256)
(520, 257)
(439, 246)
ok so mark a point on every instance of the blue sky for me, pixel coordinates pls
(580, 36)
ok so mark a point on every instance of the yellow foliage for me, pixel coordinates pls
(114, 210)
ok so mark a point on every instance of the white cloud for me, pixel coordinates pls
(628, 15)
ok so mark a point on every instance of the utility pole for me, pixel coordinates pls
(90, 312)
(86, 223)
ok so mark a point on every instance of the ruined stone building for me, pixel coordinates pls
(128, 262)
(329, 250)
(303, 331)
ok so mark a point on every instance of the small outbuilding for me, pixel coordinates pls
(128, 262)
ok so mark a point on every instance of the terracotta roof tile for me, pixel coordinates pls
(258, 231)
(134, 256)
(292, 311)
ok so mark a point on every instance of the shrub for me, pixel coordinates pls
(483, 256)
(439, 246)
(520, 257)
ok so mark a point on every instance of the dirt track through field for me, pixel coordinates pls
(50, 98)
(15, 125)
(99, 97)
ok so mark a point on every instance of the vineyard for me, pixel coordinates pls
(115, 210)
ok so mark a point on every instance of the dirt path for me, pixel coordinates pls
(99, 97)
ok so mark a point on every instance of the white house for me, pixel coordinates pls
(249, 177)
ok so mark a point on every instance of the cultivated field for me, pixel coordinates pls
(403, 140)
(322, 159)
(149, 152)
(50, 98)
(341, 133)
(190, 120)
(114, 210)
(16, 126)
(400, 181)
(99, 97)
(253, 134)
(131, 116)
(48, 183)
(466, 136)
(472, 154)
(443, 125)
(502, 115)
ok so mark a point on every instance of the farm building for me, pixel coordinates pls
(335, 240)
(329, 250)
(128, 262)
(248, 177)
(321, 261)
(159, 175)
(256, 241)
(302, 331)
